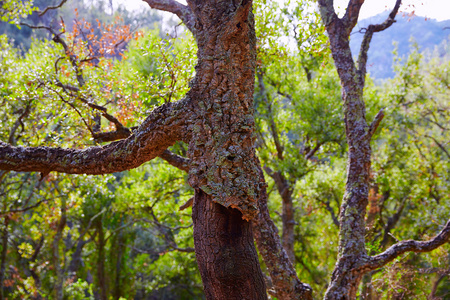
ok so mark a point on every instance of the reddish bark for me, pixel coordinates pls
(225, 252)
(216, 120)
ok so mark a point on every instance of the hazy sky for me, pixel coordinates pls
(434, 9)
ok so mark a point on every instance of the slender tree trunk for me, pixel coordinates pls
(225, 252)
(345, 279)
(287, 217)
(367, 292)
(59, 285)
(281, 182)
(284, 278)
(120, 244)
(101, 276)
(3, 255)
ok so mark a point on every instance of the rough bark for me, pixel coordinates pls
(284, 278)
(221, 149)
(216, 120)
(225, 252)
(160, 130)
(353, 261)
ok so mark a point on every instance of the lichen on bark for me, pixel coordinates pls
(223, 159)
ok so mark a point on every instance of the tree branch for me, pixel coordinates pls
(439, 145)
(397, 249)
(2, 213)
(176, 160)
(351, 14)
(375, 123)
(161, 129)
(172, 6)
(327, 11)
(52, 7)
(189, 203)
(273, 127)
(311, 153)
(362, 58)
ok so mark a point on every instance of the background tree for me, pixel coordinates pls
(353, 261)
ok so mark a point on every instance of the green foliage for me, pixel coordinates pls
(126, 227)
(12, 10)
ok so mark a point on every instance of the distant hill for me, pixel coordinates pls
(427, 33)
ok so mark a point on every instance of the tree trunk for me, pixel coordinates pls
(345, 279)
(287, 217)
(221, 150)
(225, 252)
(3, 255)
(119, 252)
(59, 285)
(101, 276)
(284, 278)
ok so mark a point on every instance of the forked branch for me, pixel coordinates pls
(182, 11)
(164, 126)
(351, 14)
(362, 59)
(397, 249)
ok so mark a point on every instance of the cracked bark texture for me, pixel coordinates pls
(222, 155)
(344, 281)
(216, 120)
(225, 252)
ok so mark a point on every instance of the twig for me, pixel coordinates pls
(52, 7)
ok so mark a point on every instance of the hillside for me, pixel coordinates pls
(427, 33)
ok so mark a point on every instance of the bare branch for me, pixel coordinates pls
(439, 145)
(24, 113)
(313, 151)
(273, 127)
(375, 123)
(175, 160)
(57, 39)
(394, 251)
(161, 129)
(182, 11)
(2, 213)
(351, 14)
(187, 204)
(186, 250)
(362, 59)
(439, 278)
(52, 7)
(327, 11)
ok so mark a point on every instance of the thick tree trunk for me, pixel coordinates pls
(225, 252)
(221, 150)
